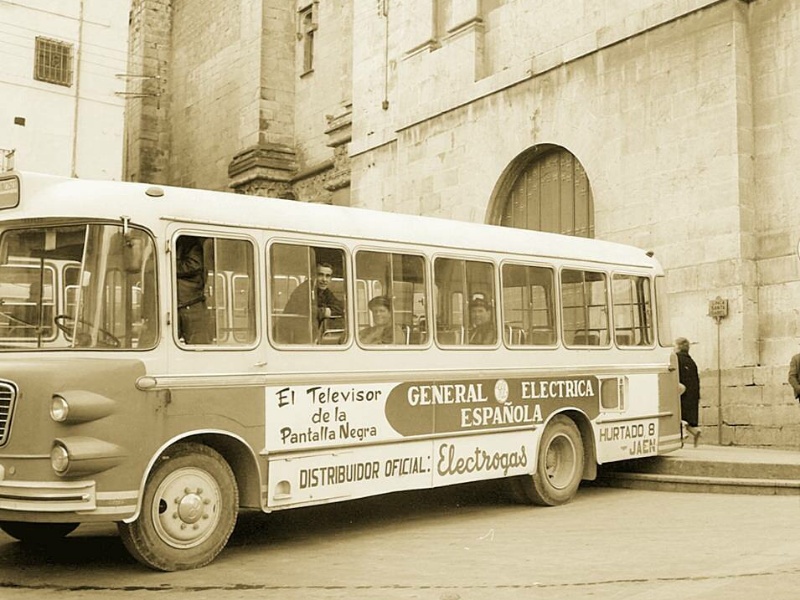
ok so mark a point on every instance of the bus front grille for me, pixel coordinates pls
(8, 394)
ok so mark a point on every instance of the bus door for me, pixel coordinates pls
(212, 338)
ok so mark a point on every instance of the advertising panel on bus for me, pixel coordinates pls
(321, 416)
(376, 433)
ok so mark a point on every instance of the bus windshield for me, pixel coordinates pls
(77, 286)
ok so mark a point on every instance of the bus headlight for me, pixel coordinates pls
(76, 456)
(59, 409)
(80, 406)
(59, 458)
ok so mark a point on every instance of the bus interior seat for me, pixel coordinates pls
(332, 337)
(290, 329)
(515, 335)
(333, 331)
(583, 338)
(449, 337)
(625, 339)
(417, 335)
(541, 337)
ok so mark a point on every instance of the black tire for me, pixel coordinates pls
(37, 533)
(189, 510)
(559, 468)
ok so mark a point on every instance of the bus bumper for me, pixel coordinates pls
(47, 497)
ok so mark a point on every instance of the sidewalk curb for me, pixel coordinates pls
(729, 470)
(689, 483)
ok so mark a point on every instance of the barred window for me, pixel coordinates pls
(53, 61)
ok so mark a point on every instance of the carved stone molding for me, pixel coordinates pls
(264, 170)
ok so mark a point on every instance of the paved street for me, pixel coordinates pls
(464, 543)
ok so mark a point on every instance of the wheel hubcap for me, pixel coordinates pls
(186, 507)
(190, 508)
(560, 462)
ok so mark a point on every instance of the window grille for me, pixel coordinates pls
(53, 61)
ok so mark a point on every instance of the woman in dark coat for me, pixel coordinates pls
(690, 398)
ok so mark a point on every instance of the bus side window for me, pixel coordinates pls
(391, 287)
(633, 310)
(584, 297)
(308, 295)
(528, 305)
(465, 302)
(215, 298)
(234, 302)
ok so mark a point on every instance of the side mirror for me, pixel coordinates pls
(132, 253)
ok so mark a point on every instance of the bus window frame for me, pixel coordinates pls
(662, 321)
(174, 234)
(427, 273)
(557, 337)
(608, 307)
(64, 288)
(433, 327)
(653, 318)
(347, 285)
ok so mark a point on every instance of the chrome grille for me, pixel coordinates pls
(8, 394)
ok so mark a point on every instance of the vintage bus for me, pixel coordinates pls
(117, 407)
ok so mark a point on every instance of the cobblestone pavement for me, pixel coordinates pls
(466, 543)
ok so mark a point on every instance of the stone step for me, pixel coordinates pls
(710, 469)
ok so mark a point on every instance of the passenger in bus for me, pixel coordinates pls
(483, 331)
(193, 322)
(327, 305)
(382, 332)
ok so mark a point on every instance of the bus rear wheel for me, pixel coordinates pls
(37, 533)
(188, 511)
(559, 468)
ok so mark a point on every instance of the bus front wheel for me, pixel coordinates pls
(559, 467)
(188, 511)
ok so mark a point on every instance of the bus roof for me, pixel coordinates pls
(145, 203)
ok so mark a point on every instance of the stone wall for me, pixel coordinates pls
(234, 108)
(147, 139)
(682, 112)
(677, 111)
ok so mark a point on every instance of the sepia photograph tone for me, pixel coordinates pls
(399, 299)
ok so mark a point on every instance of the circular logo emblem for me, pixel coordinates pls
(501, 391)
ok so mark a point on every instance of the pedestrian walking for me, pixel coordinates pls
(794, 375)
(690, 397)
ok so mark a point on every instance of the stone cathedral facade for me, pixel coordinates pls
(672, 125)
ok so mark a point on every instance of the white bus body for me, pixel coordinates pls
(171, 438)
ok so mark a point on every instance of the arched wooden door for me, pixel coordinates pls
(545, 189)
